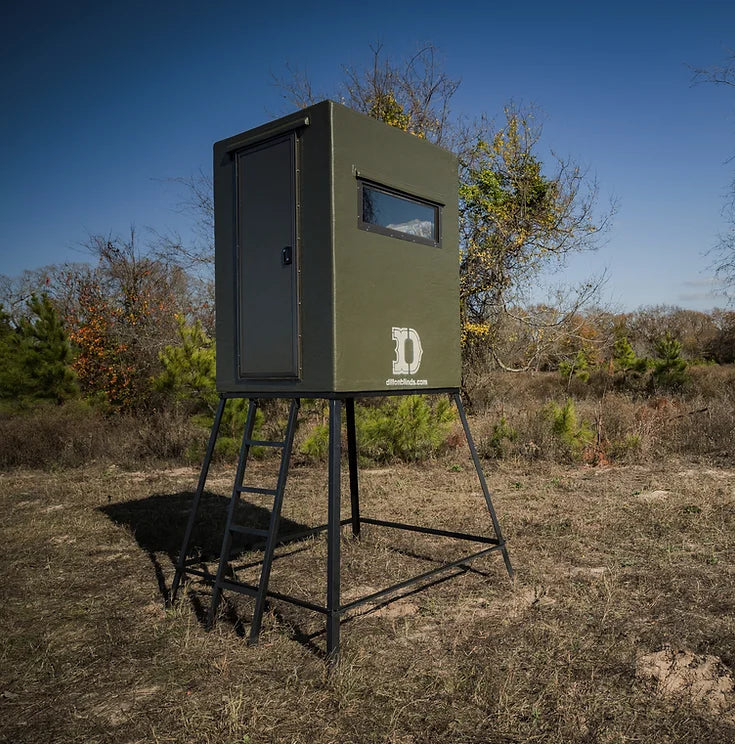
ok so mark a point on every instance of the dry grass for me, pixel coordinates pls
(614, 564)
(626, 425)
(76, 434)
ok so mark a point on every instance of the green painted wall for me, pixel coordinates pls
(355, 286)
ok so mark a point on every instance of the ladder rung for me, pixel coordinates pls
(263, 443)
(239, 586)
(250, 489)
(197, 572)
(248, 530)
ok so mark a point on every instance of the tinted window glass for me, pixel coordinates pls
(393, 213)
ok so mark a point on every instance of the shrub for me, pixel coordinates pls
(497, 444)
(405, 428)
(189, 379)
(316, 445)
(565, 426)
(399, 428)
(579, 367)
(36, 356)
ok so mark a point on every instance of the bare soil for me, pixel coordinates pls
(619, 627)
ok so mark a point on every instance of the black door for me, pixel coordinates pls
(269, 309)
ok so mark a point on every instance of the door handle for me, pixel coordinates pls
(287, 256)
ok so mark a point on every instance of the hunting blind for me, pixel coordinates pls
(336, 257)
(336, 277)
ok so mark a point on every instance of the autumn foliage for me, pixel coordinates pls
(120, 315)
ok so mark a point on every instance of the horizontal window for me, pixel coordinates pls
(398, 215)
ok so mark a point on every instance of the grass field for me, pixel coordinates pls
(619, 627)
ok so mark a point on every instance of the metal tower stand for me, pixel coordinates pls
(334, 609)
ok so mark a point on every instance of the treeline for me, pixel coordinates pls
(118, 315)
(116, 359)
(133, 333)
(598, 338)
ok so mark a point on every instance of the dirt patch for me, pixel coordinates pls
(652, 496)
(400, 608)
(703, 679)
(528, 597)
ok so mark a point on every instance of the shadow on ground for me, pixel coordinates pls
(158, 523)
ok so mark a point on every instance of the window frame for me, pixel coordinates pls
(362, 224)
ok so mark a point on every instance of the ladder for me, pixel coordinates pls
(231, 528)
(270, 535)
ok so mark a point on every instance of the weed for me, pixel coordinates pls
(502, 435)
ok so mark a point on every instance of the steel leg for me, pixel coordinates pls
(181, 563)
(352, 460)
(483, 483)
(333, 531)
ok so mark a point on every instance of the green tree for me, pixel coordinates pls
(565, 425)
(38, 356)
(625, 359)
(578, 367)
(624, 356)
(10, 373)
(669, 368)
(189, 377)
(517, 218)
(189, 372)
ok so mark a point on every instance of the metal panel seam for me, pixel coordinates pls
(332, 246)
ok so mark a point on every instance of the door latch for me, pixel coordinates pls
(287, 256)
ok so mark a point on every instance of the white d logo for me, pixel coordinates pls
(400, 364)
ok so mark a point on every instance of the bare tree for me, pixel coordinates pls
(413, 94)
(723, 74)
(723, 252)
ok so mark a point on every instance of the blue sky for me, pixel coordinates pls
(103, 102)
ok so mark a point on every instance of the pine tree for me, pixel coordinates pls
(625, 358)
(10, 374)
(38, 356)
(189, 368)
(670, 368)
(189, 377)
(623, 354)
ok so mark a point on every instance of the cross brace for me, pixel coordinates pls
(333, 609)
